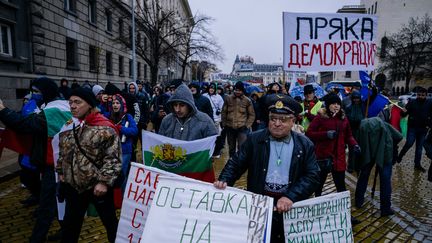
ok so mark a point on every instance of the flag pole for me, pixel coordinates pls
(368, 96)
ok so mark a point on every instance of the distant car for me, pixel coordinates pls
(411, 95)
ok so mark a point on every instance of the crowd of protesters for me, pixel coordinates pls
(336, 126)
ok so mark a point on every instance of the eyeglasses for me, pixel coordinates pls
(282, 119)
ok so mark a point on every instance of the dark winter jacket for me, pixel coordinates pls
(203, 104)
(419, 112)
(254, 155)
(331, 148)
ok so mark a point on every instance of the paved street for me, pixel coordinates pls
(411, 201)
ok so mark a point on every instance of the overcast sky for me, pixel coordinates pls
(254, 27)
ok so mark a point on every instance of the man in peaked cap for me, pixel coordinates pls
(276, 150)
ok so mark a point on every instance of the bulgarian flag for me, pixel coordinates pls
(188, 158)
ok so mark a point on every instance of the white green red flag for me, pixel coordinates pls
(188, 158)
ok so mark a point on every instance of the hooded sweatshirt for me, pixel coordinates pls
(196, 126)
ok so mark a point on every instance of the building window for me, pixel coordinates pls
(130, 67)
(130, 35)
(348, 74)
(108, 20)
(121, 66)
(145, 72)
(145, 44)
(70, 5)
(93, 59)
(92, 11)
(108, 62)
(138, 69)
(71, 53)
(6, 40)
(372, 10)
(120, 23)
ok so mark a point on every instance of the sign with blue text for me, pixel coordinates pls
(192, 211)
(321, 219)
(329, 42)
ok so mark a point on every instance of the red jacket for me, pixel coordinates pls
(334, 148)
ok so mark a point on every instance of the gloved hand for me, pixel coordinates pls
(357, 149)
(331, 134)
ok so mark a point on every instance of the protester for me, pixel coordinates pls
(186, 122)
(131, 101)
(355, 115)
(89, 162)
(311, 105)
(330, 131)
(143, 100)
(258, 122)
(43, 126)
(216, 102)
(64, 89)
(287, 159)
(419, 113)
(128, 129)
(237, 117)
(377, 138)
(160, 109)
(201, 102)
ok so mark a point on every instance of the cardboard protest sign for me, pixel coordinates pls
(329, 42)
(320, 219)
(191, 211)
(140, 191)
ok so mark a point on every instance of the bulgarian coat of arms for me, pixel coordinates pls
(168, 156)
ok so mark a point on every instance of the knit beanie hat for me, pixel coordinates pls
(47, 87)
(240, 86)
(332, 99)
(85, 94)
(97, 89)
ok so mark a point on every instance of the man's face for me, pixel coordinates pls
(132, 89)
(275, 88)
(79, 107)
(140, 87)
(280, 124)
(421, 96)
(238, 92)
(193, 90)
(181, 109)
(310, 95)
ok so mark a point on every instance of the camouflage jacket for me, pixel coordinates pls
(101, 144)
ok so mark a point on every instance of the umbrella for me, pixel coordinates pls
(298, 91)
(334, 86)
(253, 88)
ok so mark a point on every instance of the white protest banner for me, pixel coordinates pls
(321, 219)
(329, 42)
(140, 191)
(194, 211)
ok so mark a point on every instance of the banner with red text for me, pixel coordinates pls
(329, 42)
(139, 193)
(185, 210)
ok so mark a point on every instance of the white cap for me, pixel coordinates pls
(97, 89)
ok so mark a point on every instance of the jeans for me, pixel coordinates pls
(416, 135)
(47, 209)
(385, 185)
(76, 207)
(236, 137)
(338, 179)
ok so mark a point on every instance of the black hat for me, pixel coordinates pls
(283, 104)
(308, 88)
(47, 87)
(332, 99)
(240, 86)
(175, 83)
(85, 94)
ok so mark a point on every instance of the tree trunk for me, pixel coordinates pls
(154, 74)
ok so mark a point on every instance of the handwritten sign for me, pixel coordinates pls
(139, 193)
(191, 211)
(329, 42)
(321, 219)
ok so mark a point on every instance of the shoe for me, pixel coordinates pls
(56, 236)
(419, 168)
(30, 201)
(387, 212)
(354, 221)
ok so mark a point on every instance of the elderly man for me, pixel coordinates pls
(280, 163)
(88, 164)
